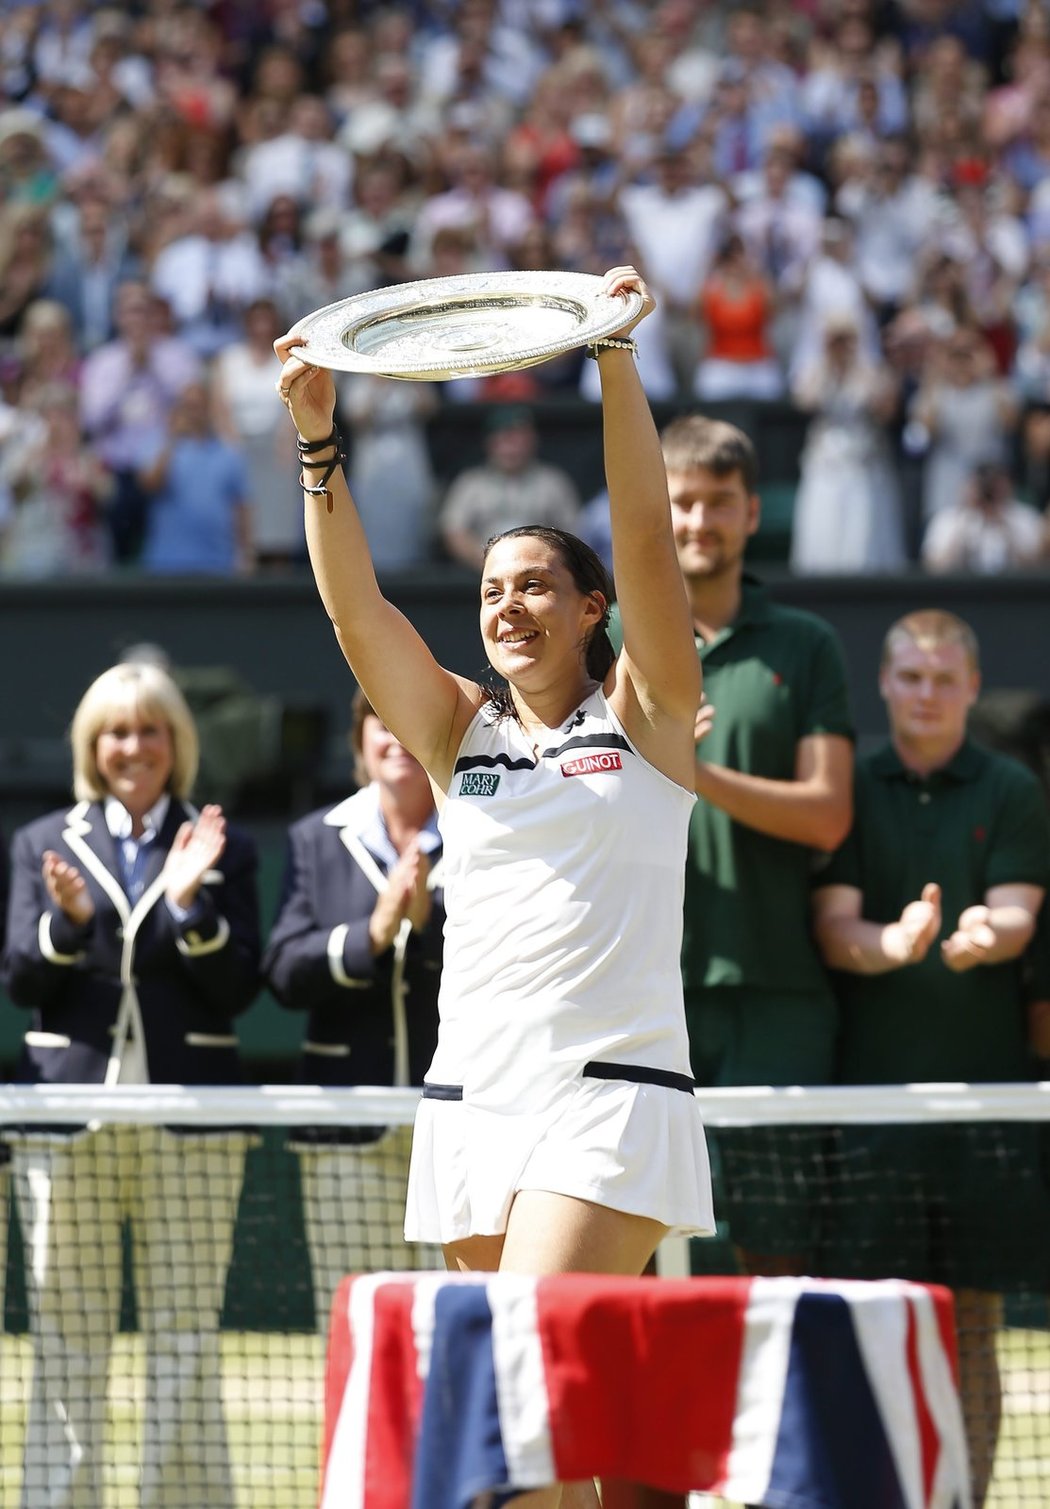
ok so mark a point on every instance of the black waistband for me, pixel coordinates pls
(636, 1073)
(442, 1092)
(639, 1074)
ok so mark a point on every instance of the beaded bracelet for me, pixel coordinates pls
(616, 342)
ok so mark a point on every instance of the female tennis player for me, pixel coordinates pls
(557, 1131)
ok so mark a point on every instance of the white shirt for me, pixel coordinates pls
(564, 885)
(969, 539)
(317, 173)
(133, 1067)
(120, 823)
(676, 234)
(192, 269)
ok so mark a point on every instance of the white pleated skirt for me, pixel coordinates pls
(638, 1148)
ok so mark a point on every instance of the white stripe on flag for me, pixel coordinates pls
(344, 1479)
(764, 1357)
(424, 1303)
(424, 1298)
(521, 1383)
(879, 1311)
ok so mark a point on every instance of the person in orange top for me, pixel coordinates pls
(735, 306)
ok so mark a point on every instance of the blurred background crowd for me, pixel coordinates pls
(842, 206)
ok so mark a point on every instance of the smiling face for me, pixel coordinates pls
(135, 757)
(713, 516)
(387, 762)
(535, 621)
(928, 689)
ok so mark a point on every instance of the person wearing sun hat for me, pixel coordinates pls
(511, 487)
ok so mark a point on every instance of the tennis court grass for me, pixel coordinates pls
(273, 1386)
(273, 1389)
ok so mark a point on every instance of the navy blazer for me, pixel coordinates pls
(372, 1020)
(132, 971)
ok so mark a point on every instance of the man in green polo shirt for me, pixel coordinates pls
(924, 913)
(773, 773)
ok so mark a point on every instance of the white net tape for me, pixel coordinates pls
(284, 1105)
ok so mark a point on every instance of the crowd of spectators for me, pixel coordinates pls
(840, 203)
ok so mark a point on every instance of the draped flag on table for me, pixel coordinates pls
(787, 1393)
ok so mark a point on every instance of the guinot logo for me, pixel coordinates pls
(593, 764)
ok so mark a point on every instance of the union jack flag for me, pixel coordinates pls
(789, 1393)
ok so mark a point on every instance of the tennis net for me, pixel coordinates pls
(171, 1255)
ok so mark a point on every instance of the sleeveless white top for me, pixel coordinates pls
(564, 879)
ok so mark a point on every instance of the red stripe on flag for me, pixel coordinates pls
(642, 1389)
(929, 1439)
(395, 1397)
(944, 1309)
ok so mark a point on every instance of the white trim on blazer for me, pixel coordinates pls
(129, 1015)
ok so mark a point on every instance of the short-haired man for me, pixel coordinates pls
(512, 486)
(773, 771)
(924, 913)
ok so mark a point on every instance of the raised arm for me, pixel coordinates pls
(657, 682)
(427, 707)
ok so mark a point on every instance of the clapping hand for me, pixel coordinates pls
(406, 895)
(971, 941)
(917, 926)
(705, 717)
(196, 848)
(67, 888)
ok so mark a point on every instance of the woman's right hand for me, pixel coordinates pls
(625, 280)
(307, 392)
(67, 888)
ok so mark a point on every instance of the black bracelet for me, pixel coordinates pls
(310, 447)
(329, 467)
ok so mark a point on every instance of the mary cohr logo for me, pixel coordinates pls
(477, 783)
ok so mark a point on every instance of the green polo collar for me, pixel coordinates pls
(754, 609)
(965, 765)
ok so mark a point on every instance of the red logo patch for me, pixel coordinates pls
(592, 764)
(980, 835)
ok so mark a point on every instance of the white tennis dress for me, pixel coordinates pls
(562, 1060)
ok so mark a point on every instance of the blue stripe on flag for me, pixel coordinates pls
(459, 1451)
(832, 1448)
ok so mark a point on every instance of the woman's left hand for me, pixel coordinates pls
(622, 281)
(196, 849)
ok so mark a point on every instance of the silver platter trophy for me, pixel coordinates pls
(467, 326)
